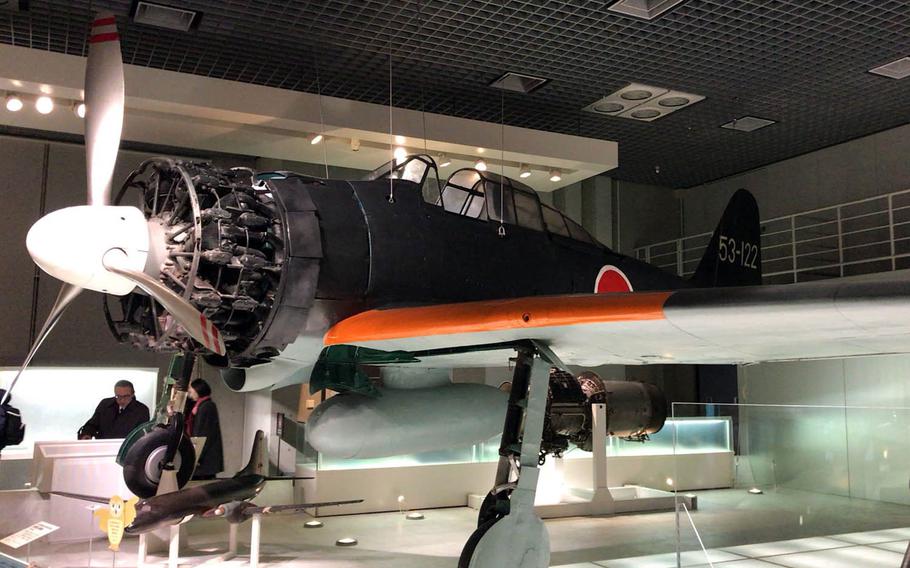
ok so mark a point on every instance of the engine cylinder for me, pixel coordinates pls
(634, 410)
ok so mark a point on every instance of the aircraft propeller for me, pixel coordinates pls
(100, 246)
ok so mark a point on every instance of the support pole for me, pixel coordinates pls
(232, 542)
(142, 554)
(255, 530)
(173, 559)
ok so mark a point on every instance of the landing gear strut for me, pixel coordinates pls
(509, 532)
(152, 461)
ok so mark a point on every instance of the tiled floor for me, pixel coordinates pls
(785, 528)
(871, 549)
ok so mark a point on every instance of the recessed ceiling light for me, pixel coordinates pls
(400, 140)
(896, 69)
(637, 95)
(162, 16)
(673, 101)
(13, 103)
(346, 541)
(79, 109)
(608, 107)
(524, 171)
(747, 123)
(480, 166)
(481, 150)
(316, 139)
(644, 9)
(519, 82)
(44, 104)
(555, 175)
(645, 113)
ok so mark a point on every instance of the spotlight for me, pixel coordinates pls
(316, 139)
(79, 109)
(555, 175)
(481, 150)
(756, 491)
(346, 541)
(480, 166)
(13, 103)
(400, 140)
(44, 104)
(401, 498)
(524, 171)
(355, 144)
(400, 154)
(313, 524)
(670, 481)
(444, 161)
(415, 516)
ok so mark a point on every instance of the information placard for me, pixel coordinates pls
(29, 534)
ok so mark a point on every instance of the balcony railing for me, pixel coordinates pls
(860, 237)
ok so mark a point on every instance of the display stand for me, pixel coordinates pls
(255, 532)
(604, 500)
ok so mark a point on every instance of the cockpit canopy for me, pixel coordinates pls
(482, 195)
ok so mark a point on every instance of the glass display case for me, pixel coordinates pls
(679, 435)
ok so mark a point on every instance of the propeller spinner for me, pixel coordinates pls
(111, 243)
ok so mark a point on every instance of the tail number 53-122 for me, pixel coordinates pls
(742, 252)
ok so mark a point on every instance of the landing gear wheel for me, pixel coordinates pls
(145, 459)
(467, 553)
(491, 509)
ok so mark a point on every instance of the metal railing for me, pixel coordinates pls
(860, 237)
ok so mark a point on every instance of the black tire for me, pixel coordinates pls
(489, 510)
(137, 466)
(464, 561)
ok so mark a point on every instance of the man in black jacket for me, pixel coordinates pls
(116, 417)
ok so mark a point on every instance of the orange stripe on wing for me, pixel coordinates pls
(496, 315)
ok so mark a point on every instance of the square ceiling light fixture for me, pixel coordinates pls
(896, 69)
(519, 82)
(642, 102)
(748, 123)
(163, 16)
(644, 9)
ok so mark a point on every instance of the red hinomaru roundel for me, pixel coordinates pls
(611, 279)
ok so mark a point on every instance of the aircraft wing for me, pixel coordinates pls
(295, 508)
(813, 320)
(92, 498)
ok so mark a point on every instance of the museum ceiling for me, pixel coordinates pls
(802, 63)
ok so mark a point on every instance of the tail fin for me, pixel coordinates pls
(733, 256)
(258, 464)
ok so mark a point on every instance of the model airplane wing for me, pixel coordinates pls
(718, 325)
(296, 508)
(92, 498)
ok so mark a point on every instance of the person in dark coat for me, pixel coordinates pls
(116, 417)
(202, 420)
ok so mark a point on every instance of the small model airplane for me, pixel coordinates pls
(227, 499)
(283, 278)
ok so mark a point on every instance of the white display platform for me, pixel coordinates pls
(449, 485)
(82, 466)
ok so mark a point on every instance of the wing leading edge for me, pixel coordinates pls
(814, 320)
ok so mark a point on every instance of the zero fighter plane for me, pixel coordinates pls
(283, 278)
(225, 498)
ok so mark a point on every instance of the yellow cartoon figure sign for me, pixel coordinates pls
(115, 518)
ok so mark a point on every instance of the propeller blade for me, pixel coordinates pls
(192, 320)
(103, 107)
(67, 294)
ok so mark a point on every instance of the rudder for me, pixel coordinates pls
(733, 256)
